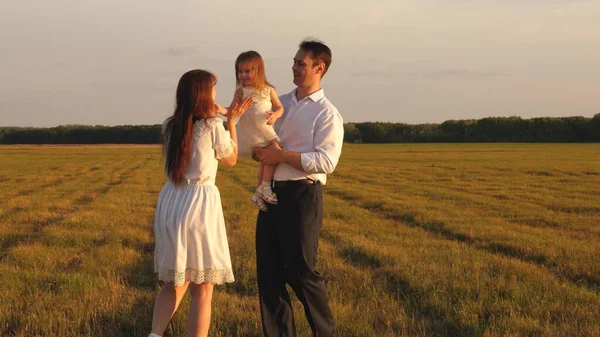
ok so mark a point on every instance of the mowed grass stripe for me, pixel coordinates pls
(458, 276)
(31, 229)
(519, 212)
(469, 220)
(504, 200)
(27, 219)
(26, 179)
(469, 226)
(575, 218)
(65, 190)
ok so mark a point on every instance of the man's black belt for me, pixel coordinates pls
(289, 183)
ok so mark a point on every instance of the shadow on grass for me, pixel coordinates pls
(140, 275)
(358, 258)
(8, 241)
(134, 320)
(37, 226)
(419, 304)
(591, 282)
(415, 299)
(10, 327)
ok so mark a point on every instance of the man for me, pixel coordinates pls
(311, 132)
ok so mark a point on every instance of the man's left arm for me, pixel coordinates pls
(328, 140)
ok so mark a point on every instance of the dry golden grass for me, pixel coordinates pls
(418, 240)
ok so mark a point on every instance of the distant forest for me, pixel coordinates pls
(492, 129)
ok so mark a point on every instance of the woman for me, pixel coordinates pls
(191, 248)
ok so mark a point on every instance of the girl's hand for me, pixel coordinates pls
(237, 110)
(274, 116)
(220, 110)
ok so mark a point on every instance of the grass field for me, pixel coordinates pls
(418, 240)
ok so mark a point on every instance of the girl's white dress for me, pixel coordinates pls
(252, 129)
(189, 228)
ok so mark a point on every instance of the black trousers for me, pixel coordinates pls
(286, 252)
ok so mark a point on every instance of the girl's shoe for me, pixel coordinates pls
(259, 202)
(267, 194)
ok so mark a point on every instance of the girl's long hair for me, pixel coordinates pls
(194, 101)
(255, 61)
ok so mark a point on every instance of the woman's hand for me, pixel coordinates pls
(234, 112)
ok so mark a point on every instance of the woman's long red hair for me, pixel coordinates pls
(194, 101)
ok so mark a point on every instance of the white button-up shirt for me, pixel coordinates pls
(313, 127)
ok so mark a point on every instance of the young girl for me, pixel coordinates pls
(191, 248)
(255, 128)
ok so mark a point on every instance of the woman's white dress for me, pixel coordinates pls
(252, 129)
(189, 228)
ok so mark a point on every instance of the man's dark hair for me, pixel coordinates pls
(320, 52)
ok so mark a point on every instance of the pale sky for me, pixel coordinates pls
(115, 62)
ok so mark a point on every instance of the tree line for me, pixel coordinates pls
(492, 129)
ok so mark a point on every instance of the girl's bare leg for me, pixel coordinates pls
(266, 193)
(257, 197)
(259, 178)
(267, 172)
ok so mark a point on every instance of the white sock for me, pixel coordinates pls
(154, 335)
(266, 183)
